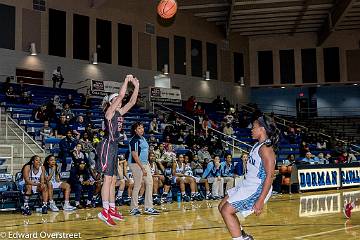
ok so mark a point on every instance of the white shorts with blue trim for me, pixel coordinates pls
(244, 196)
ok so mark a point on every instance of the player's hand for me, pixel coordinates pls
(128, 78)
(144, 173)
(135, 81)
(258, 206)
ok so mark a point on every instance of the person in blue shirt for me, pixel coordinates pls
(213, 175)
(66, 146)
(79, 127)
(140, 168)
(309, 159)
(240, 169)
(227, 171)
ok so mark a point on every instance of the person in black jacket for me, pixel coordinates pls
(82, 180)
(66, 146)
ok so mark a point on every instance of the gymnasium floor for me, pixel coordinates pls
(316, 215)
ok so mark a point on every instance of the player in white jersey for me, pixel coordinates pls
(252, 193)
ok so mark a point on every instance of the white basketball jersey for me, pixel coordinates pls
(35, 177)
(255, 170)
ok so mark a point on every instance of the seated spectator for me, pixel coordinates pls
(228, 130)
(199, 111)
(152, 140)
(79, 127)
(213, 175)
(190, 139)
(52, 178)
(88, 149)
(67, 112)
(226, 104)
(62, 127)
(87, 118)
(328, 158)
(70, 101)
(290, 160)
(342, 158)
(122, 138)
(58, 105)
(154, 126)
(34, 177)
(46, 131)
(204, 155)
(170, 155)
(158, 177)
(180, 138)
(304, 148)
(227, 170)
(82, 179)
(10, 95)
(86, 101)
(206, 125)
(229, 118)
(41, 114)
(322, 159)
(160, 153)
(308, 158)
(189, 172)
(321, 144)
(77, 154)
(66, 146)
(25, 94)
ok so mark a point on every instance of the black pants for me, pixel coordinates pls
(60, 80)
(79, 189)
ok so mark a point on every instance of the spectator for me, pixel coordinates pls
(79, 127)
(218, 104)
(57, 77)
(328, 158)
(228, 130)
(308, 158)
(10, 95)
(304, 148)
(229, 118)
(57, 103)
(160, 153)
(290, 160)
(180, 138)
(154, 126)
(153, 141)
(46, 131)
(67, 112)
(190, 139)
(77, 154)
(199, 111)
(206, 125)
(70, 101)
(62, 127)
(86, 101)
(82, 179)
(226, 104)
(321, 144)
(190, 104)
(342, 158)
(204, 155)
(52, 178)
(88, 149)
(41, 114)
(87, 118)
(66, 146)
(227, 172)
(170, 155)
(25, 94)
(322, 159)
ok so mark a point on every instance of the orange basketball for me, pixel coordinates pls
(167, 8)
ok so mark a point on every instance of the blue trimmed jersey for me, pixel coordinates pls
(139, 144)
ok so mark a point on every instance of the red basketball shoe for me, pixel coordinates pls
(347, 209)
(106, 217)
(113, 212)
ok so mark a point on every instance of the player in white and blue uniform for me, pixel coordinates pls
(252, 193)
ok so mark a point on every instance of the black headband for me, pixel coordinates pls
(264, 124)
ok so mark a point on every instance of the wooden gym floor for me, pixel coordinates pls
(315, 215)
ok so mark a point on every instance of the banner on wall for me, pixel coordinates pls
(103, 88)
(310, 179)
(350, 176)
(166, 96)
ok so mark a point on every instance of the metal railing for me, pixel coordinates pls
(193, 122)
(233, 140)
(22, 137)
(11, 157)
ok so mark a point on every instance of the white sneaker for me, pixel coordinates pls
(53, 207)
(68, 207)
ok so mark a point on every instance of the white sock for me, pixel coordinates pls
(51, 202)
(120, 193)
(238, 238)
(67, 203)
(77, 203)
(183, 193)
(112, 205)
(88, 202)
(106, 205)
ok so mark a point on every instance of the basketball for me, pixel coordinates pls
(283, 169)
(286, 181)
(167, 8)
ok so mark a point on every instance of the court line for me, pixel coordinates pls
(325, 232)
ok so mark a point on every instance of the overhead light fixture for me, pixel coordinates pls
(318, 85)
(355, 84)
(95, 58)
(166, 69)
(207, 75)
(33, 49)
(282, 87)
(242, 82)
